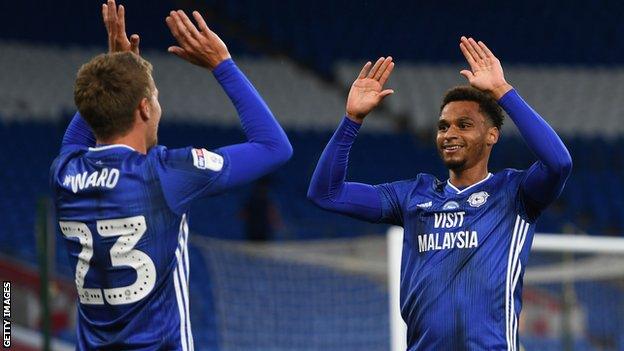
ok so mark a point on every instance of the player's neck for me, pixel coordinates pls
(137, 142)
(467, 177)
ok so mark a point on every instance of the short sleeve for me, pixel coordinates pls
(189, 173)
(392, 196)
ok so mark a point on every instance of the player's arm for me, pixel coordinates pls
(546, 177)
(328, 188)
(78, 133)
(267, 145)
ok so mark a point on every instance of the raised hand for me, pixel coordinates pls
(486, 72)
(115, 21)
(366, 91)
(200, 47)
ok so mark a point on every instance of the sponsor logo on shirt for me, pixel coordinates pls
(204, 159)
(449, 234)
(478, 199)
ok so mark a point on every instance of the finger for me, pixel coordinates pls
(471, 61)
(184, 36)
(121, 20)
(386, 74)
(190, 27)
(472, 58)
(201, 24)
(105, 15)
(485, 49)
(173, 27)
(477, 49)
(382, 68)
(134, 43)
(112, 12)
(373, 70)
(112, 18)
(365, 70)
(468, 74)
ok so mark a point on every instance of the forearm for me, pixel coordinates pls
(267, 147)
(78, 133)
(257, 120)
(547, 177)
(328, 188)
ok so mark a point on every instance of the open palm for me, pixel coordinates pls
(486, 72)
(367, 90)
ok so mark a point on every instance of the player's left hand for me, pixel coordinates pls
(486, 72)
(115, 21)
(196, 44)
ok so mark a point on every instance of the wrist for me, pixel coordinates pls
(220, 61)
(499, 91)
(354, 118)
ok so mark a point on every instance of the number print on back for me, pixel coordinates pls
(122, 254)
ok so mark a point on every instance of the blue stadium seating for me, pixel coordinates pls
(585, 202)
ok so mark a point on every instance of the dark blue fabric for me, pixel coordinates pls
(546, 178)
(328, 188)
(78, 133)
(267, 147)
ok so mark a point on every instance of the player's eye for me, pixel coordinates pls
(442, 127)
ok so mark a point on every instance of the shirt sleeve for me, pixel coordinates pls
(190, 173)
(545, 179)
(392, 197)
(77, 135)
(328, 188)
(267, 145)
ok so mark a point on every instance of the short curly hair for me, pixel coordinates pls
(487, 104)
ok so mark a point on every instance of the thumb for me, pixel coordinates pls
(385, 93)
(134, 43)
(468, 74)
(178, 51)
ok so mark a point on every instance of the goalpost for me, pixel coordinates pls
(568, 281)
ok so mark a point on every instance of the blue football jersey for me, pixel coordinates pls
(464, 255)
(122, 214)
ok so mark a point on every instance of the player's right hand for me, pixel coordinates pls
(115, 22)
(366, 91)
(200, 47)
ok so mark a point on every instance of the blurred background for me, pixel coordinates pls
(271, 271)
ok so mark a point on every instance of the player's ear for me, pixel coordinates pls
(492, 135)
(144, 109)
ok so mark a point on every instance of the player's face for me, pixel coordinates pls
(465, 135)
(155, 113)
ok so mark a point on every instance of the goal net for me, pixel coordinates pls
(342, 294)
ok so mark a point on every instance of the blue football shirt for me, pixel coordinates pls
(122, 214)
(464, 254)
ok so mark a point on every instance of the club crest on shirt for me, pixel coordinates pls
(478, 199)
(451, 205)
(204, 159)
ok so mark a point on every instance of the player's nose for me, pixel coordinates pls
(450, 133)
